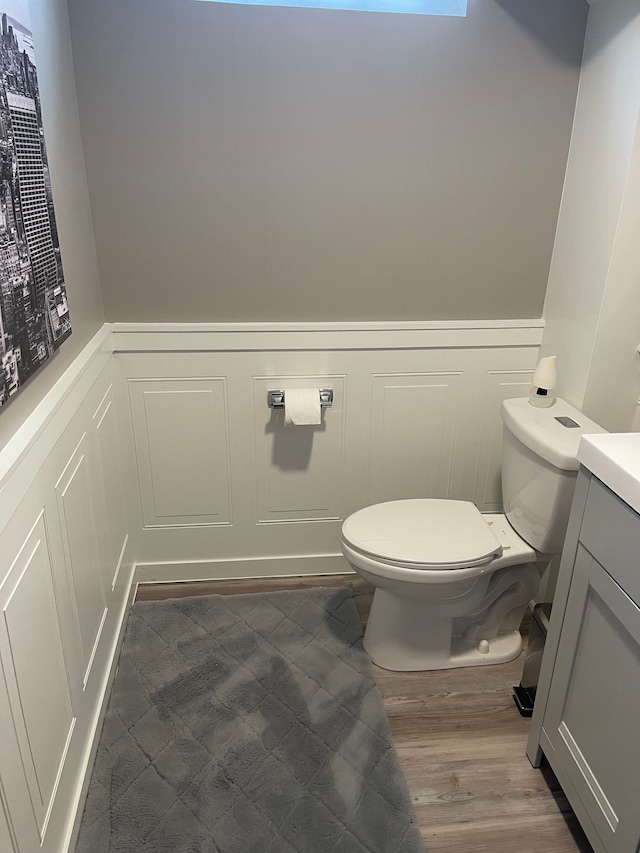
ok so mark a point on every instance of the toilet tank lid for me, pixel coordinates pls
(553, 433)
(422, 531)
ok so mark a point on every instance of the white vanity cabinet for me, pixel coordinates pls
(587, 711)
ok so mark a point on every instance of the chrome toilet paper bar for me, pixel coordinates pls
(275, 399)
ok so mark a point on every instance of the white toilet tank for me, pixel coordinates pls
(539, 468)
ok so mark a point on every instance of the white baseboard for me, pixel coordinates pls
(258, 567)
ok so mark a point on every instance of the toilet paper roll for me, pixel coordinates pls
(302, 407)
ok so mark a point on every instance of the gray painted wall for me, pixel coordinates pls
(250, 163)
(50, 24)
(592, 308)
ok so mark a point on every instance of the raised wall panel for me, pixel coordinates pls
(34, 668)
(499, 386)
(182, 450)
(112, 526)
(82, 553)
(298, 468)
(52, 601)
(6, 842)
(15, 797)
(412, 435)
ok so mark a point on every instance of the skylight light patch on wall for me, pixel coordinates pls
(457, 8)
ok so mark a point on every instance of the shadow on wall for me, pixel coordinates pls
(534, 17)
(292, 446)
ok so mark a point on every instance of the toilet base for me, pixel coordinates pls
(407, 636)
(503, 648)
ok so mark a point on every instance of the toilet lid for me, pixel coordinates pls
(423, 532)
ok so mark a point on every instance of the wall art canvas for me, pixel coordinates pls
(34, 315)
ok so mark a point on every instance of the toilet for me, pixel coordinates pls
(452, 583)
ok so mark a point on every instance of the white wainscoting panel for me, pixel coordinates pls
(6, 841)
(299, 469)
(181, 440)
(34, 669)
(15, 798)
(62, 539)
(110, 519)
(499, 385)
(415, 412)
(82, 551)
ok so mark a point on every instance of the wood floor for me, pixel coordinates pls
(461, 743)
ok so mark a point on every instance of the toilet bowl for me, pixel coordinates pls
(443, 594)
(452, 583)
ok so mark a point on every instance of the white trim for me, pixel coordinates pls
(250, 337)
(337, 326)
(238, 568)
(24, 438)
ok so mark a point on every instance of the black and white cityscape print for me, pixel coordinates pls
(34, 316)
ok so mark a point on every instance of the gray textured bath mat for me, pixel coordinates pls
(247, 724)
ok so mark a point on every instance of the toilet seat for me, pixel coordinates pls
(423, 533)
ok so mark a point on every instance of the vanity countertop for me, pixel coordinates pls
(614, 458)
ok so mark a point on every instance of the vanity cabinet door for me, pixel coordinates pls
(591, 719)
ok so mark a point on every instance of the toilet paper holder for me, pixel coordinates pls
(275, 399)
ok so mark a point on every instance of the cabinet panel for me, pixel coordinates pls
(611, 532)
(592, 707)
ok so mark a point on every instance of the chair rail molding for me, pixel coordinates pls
(167, 337)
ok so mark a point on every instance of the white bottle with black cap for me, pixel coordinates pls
(543, 384)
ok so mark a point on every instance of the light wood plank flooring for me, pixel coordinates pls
(461, 743)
